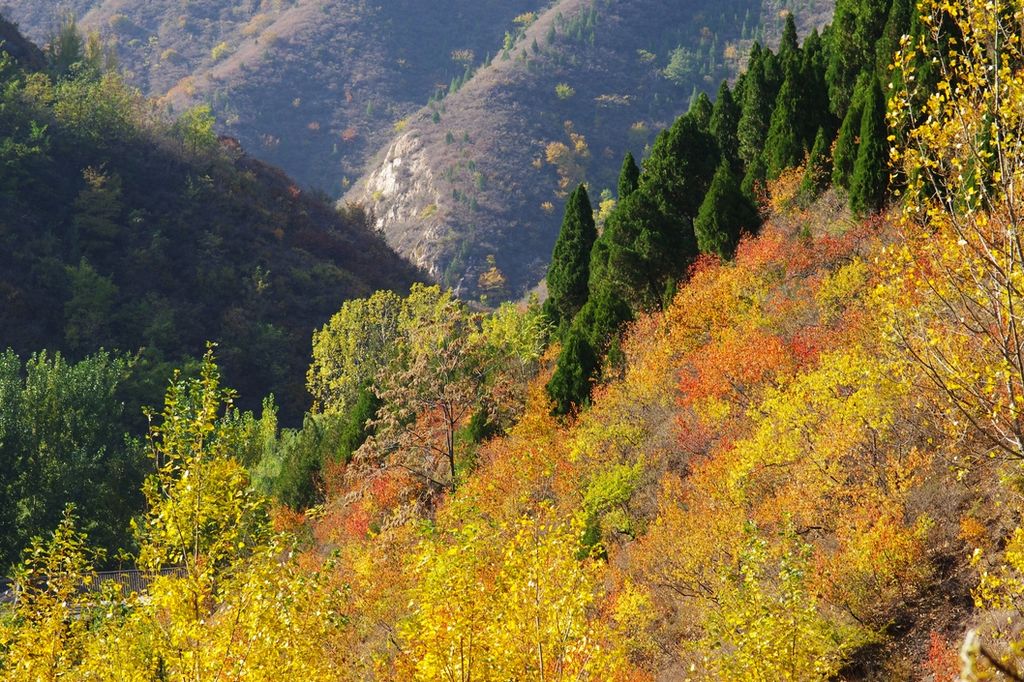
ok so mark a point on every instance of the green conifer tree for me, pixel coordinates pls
(845, 153)
(569, 271)
(725, 214)
(783, 147)
(725, 117)
(569, 386)
(700, 110)
(752, 127)
(629, 176)
(754, 179)
(871, 173)
(819, 168)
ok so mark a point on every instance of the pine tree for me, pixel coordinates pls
(569, 271)
(590, 337)
(570, 384)
(756, 110)
(679, 171)
(629, 176)
(814, 91)
(845, 154)
(700, 110)
(897, 23)
(870, 174)
(789, 46)
(725, 117)
(818, 170)
(724, 215)
(783, 147)
(754, 179)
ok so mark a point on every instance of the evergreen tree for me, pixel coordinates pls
(591, 335)
(754, 179)
(724, 215)
(678, 173)
(783, 147)
(818, 170)
(789, 46)
(752, 127)
(845, 153)
(570, 384)
(629, 176)
(897, 23)
(870, 174)
(700, 110)
(725, 117)
(814, 106)
(569, 271)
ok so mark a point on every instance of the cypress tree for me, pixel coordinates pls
(755, 111)
(679, 171)
(754, 179)
(783, 147)
(814, 96)
(725, 117)
(845, 60)
(897, 23)
(845, 153)
(629, 176)
(870, 174)
(569, 272)
(724, 215)
(818, 170)
(570, 384)
(700, 111)
(789, 46)
(590, 337)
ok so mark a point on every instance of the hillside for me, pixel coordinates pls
(484, 171)
(125, 230)
(311, 86)
(767, 426)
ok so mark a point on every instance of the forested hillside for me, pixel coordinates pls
(312, 86)
(123, 229)
(766, 425)
(471, 186)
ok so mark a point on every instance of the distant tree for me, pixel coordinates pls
(569, 272)
(725, 117)
(870, 173)
(725, 214)
(629, 176)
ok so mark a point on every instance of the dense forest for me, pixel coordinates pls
(124, 229)
(765, 425)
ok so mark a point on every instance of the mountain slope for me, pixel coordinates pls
(484, 171)
(313, 86)
(124, 230)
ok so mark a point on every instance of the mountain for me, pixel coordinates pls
(312, 86)
(123, 229)
(472, 187)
